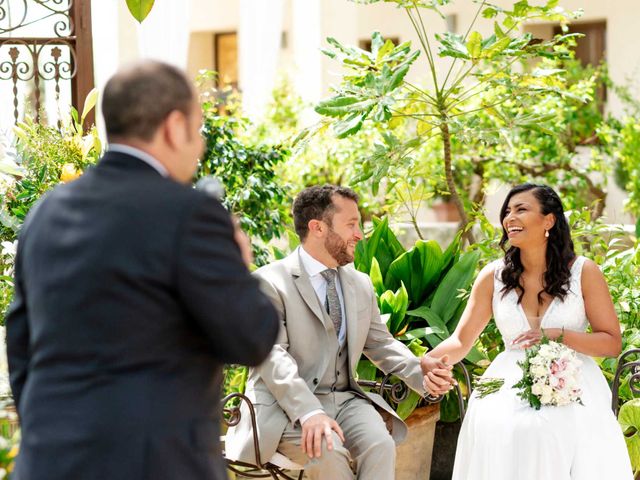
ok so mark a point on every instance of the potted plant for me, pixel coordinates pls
(421, 295)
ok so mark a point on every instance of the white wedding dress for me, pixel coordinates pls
(503, 438)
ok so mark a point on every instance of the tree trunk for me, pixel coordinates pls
(453, 191)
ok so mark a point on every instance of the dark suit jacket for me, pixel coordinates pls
(130, 294)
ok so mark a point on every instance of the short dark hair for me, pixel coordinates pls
(137, 99)
(316, 203)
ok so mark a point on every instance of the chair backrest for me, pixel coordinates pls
(629, 362)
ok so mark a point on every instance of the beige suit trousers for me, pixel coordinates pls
(368, 452)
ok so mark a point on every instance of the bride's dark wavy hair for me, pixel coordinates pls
(560, 251)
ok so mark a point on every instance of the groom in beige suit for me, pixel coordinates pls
(308, 404)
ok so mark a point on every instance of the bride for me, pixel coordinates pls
(540, 287)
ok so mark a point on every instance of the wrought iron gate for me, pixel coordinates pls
(45, 42)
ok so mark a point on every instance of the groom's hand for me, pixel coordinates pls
(316, 427)
(438, 378)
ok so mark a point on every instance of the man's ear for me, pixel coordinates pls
(316, 227)
(175, 129)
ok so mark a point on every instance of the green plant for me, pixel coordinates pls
(421, 294)
(253, 191)
(9, 437)
(44, 156)
(629, 418)
(375, 86)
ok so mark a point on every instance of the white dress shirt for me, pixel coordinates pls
(139, 154)
(313, 268)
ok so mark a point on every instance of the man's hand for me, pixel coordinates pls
(313, 429)
(243, 242)
(438, 379)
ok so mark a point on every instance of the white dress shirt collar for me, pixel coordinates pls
(141, 155)
(312, 266)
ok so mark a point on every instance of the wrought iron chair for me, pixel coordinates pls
(629, 362)
(280, 467)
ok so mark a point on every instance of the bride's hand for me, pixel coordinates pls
(528, 339)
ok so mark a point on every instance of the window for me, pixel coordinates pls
(226, 58)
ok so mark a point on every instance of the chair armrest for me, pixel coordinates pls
(626, 363)
(231, 417)
(399, 391)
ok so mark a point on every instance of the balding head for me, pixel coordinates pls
(139, 98)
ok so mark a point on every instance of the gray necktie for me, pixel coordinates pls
(332, 302)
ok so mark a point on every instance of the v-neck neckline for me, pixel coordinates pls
(543, 317)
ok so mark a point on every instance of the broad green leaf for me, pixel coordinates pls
(498, 47)
(366, 370)
(376, 277)
(446, 300)
(638, 228)
(451, 45)
(417, 348)
(474, 44)
(629, 419)
(89, 102)
(419, 269)
(408, 405)
(377, 43)
(421, 333)
(432, 319)
(475, 356)
(449, 410)
(489, 12)
(386, 49)
(340, 106)
(349, 125)
(140, 8)
(396, 305)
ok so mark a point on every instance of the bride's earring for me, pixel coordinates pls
(546, 233)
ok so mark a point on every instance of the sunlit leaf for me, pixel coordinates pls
(140, 8)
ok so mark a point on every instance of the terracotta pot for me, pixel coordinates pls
(414, 454)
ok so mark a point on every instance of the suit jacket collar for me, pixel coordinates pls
(303, 284)
(126, 161)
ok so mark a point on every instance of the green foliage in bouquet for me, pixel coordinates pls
(421, 294)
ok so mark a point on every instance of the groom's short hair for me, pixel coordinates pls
(316, 203)
(139, 97)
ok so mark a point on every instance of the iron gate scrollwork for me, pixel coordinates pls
(62, 55)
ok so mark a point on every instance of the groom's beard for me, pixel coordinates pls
(338, 248)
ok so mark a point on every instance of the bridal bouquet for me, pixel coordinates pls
(551, 374)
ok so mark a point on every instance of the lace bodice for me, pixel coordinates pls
(512, 321)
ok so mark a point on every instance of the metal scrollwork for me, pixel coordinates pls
(49, 58)
(629, 362)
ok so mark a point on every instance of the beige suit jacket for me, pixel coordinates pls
(282, 388)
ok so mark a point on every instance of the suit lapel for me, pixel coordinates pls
(351, 309)
(303, 284)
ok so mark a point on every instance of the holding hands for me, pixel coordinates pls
(438, 378)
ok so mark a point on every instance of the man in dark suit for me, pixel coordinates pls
(131, 291)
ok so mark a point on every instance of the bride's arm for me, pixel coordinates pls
(474, 318)
(605, 339)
